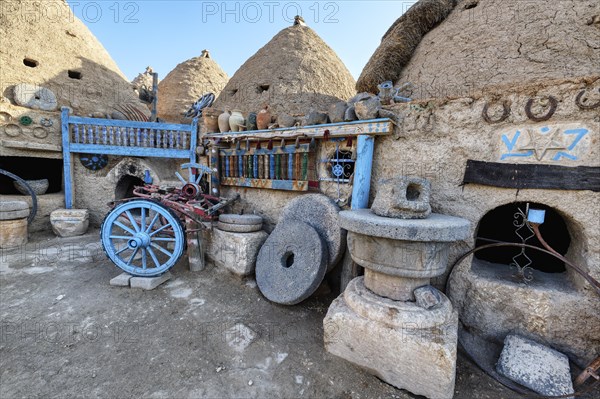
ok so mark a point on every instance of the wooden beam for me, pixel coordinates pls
(372, 127)
(68, 178)
(532, 176)
(290, 185)
(361, 187)
(31, 146)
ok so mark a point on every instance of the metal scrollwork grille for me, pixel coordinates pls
(521, 262)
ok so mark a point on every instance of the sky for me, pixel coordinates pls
(162, 33)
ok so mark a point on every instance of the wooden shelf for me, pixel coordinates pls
(372, 127)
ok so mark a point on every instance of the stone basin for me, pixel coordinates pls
(400, 255)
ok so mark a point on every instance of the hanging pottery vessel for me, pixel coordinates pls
(237, 121)
(263, 118)
(251, 121)
(224, 122)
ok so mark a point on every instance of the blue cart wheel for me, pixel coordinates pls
(143, 238)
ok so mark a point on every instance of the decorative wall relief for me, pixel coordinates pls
(546, 143)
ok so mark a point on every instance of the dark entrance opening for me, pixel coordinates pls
(30, 168)
(126, 185)
(505, 223)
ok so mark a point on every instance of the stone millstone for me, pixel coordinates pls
(239, 228)
(12, 210)
(321, 213)
(240, 219)
(292, 263)
(35, 97)
(7, 206)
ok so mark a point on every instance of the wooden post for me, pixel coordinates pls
(362, 172)
(215, 179)
(360, 199)
(195, 245)
(155, 98)
(64, 119)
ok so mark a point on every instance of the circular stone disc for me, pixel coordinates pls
(240, 219)
(13, 215)
(7, 206)
(291, 264)
(239, 228)
(321, 213)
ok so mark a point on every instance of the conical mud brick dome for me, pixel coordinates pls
(44, 44)
(481, 43)
(295, 72)
(186, 83)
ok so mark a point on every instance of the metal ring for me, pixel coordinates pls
(583, 106)
(553, 105)
(505, 113)
(33, 210)
(25, 120)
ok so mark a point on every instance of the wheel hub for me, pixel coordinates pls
(140, 240)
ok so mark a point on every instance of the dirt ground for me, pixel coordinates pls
(66, 333)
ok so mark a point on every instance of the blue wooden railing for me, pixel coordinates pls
(122, 137)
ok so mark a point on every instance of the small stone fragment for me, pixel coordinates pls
(535, 366)
(427, 297)
(350, 114)
(337, 111)
(315, 118)
(367, 109)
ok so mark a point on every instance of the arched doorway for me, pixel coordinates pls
(506, 224)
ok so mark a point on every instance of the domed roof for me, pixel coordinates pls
(294, 72)
(47, 45)
(186, 83)
(493, 42)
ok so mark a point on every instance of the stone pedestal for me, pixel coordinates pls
(378, 323)
(70, 222)
(13, 223)
(13, 233)
(235, 252)
(407, 346)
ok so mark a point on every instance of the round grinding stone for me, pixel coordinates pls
(7, 206)
(239, 228)
(240, 219)
(321, 212)
(292, 263)
(12, 210)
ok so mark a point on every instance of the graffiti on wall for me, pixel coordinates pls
(546, 143)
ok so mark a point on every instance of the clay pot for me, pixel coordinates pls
(285, 120)
(263, 118)
(251, 121)
(237, 121)
(211, 120)
(224, 122)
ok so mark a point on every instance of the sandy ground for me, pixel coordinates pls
(66, 333)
